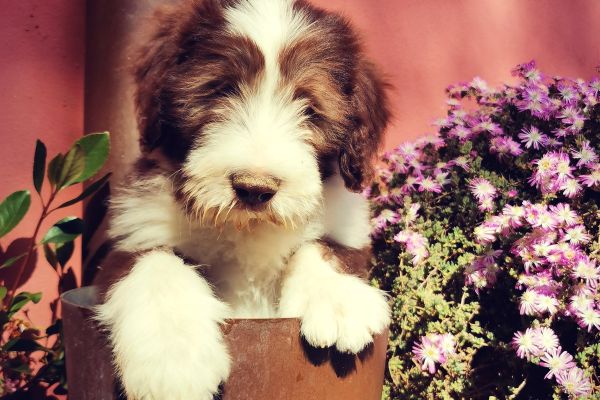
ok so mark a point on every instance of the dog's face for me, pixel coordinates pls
(254, 102)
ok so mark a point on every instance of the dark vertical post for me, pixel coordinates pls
(114, 28)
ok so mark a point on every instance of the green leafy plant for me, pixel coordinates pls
(32, 359)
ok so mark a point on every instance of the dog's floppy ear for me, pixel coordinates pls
(371, 115)
(176, 30)
(153, 62)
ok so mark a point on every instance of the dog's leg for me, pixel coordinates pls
(163, 320)
(335, 308)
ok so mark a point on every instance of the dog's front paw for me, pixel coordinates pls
(188, 370)
(340, 310)
(163, 321)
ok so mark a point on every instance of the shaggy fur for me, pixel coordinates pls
(258, 122)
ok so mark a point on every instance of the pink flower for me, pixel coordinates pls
(586, 270)
(564, 215)
(428, 184)
(532, 137)
(485, 233)
(515, 215)
(446, 342)
(586, 155)
(581, 302)
(463, 162)
(589, 318)
(557, 361)
(546, 339)
(462, 133)
(428, 353)
(593, 178)
(482, 188)
(528, 303)
(576, 235)
(525, 344)
(416, 244)
(571, 188)
(503, 145)
(574, 382)
(383, 220)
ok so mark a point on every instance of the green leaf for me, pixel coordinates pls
(95, 146)
(50, 256)
(54, 328)
(64, 251)
(39, 165)
(72, 167)
(91, 189)
(12, 260)
(3, 318)
(3, 292)
(21, 300)
(54, 168)
(13, 209)
(27, 345)
(65, 230)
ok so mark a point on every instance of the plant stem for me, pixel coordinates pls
(32, 247)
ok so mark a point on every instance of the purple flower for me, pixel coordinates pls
(428, 184)
(546, 339)
(557, 361)
(482, 188)
(586, 269)
(525, 344)
(586, 154)
(461, 133)
(416, 244)
(532, 137)
(574, 382)
(589, 318)
(485, 233)
(528, 71)
(592, 179)
(571, 188)
(383, 220)
(576, 235)
(564, 215)
(503, 146)
(427, 353)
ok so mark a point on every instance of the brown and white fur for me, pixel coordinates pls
(258, 121)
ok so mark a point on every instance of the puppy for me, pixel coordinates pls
(259, 120)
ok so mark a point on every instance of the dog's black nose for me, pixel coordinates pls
(254, 190)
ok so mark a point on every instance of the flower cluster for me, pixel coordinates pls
(498, 218)
(434, 349)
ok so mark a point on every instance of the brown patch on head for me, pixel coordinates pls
(186, 73)
(346, 100)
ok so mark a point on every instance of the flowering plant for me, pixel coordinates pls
(487, 237)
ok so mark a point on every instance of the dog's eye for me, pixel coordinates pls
(311, 114)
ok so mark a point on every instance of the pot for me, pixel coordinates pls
(270, 360)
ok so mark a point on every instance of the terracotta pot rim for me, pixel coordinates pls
(67, 297)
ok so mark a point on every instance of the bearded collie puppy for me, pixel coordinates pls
(258, 120)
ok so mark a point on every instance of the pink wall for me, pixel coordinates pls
(425, 45)
(421, 45)
(41, 96)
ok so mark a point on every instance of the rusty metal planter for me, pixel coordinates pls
(270, 361)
